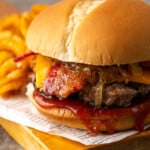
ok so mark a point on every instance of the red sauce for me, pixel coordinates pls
(98, 117)
(20, 58)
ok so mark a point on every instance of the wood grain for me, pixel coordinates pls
(31, 139)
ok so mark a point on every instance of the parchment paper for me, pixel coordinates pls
(20, 110)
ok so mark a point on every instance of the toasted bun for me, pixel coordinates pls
(97, 32)
(66, 117)
(7, 9)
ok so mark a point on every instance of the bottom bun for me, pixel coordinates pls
(67, 117)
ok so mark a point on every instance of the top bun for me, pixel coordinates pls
(97, 32)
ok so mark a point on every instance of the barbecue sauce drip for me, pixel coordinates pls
(92, 118)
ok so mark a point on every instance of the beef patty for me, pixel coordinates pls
(114, 94)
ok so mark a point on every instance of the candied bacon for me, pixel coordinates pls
(62, 82)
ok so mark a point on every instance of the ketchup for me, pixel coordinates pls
(94, 118)
(20, 58)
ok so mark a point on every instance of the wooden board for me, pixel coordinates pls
(32, 139)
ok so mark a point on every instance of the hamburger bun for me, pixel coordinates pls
(104, 32)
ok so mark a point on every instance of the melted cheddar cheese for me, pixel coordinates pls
(42, 66)
(143, 78)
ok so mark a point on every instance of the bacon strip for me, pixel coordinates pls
(20, 58)
(62, 82)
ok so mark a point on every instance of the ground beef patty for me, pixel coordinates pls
(114, 94)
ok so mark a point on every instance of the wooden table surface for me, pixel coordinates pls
(31, 139)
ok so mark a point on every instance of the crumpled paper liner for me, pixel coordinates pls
(19, 109)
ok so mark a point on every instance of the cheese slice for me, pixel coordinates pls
(43, 64)
(143, 78)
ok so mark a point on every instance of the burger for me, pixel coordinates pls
(92, 66)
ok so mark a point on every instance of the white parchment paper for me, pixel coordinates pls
(20, 110)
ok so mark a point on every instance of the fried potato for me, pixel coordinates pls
(4, 56)
(11, 86)
(13, 29)
(7, 67)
